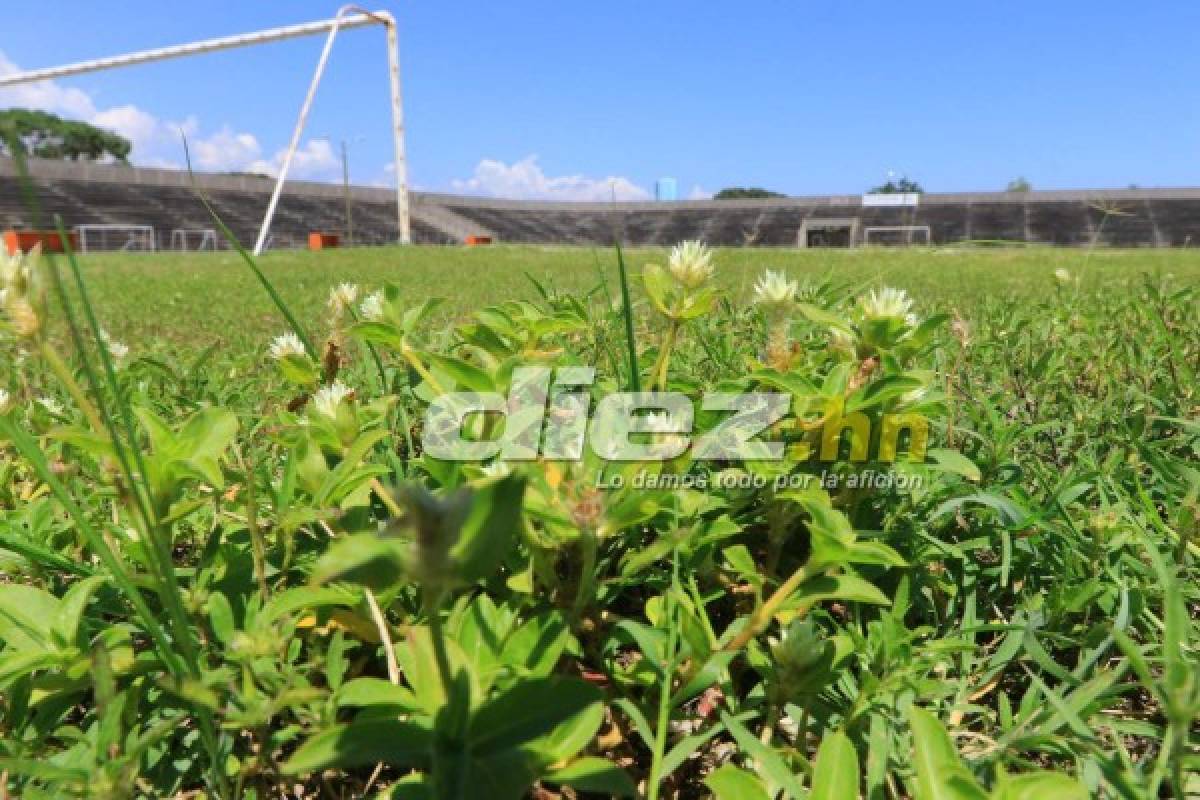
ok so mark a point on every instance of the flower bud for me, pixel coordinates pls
(690, 264)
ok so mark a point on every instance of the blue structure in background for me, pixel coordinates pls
(666, 190)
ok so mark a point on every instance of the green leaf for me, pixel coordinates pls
(538, 644)
(880, 391)
(364, 742)
(380, 333)
(824, 318)
(837, 587)
(955, 462)
(67, 621)
(597, 775)
(220, 616)
(26, 614)
(731, 783)
(489, 529)
(770, 763)
(363, 558)
(367, 692)
(418, 661)
(531, 710)
(940, 773)
(300, 370)
(659, 287)
(1040, 786)
(836, 773)
(466, 376)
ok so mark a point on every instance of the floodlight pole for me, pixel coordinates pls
(347, 17)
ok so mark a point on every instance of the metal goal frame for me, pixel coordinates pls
(207, 236)
(148, 243)
(909, 229)
(347, 17)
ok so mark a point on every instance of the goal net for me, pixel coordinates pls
(896, 235)
(193, 239)
(128, 238)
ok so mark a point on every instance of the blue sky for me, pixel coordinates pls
(555, 99)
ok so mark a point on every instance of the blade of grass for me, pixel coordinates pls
(635, 378)
(293, 323)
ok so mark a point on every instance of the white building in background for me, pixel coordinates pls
(666, 190)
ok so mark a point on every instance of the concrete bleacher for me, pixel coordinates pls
(87, 193)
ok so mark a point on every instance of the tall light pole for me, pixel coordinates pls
(346, 195)
(346, 192)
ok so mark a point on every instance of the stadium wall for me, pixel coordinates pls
(90, 193)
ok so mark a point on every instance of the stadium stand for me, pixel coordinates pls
(108, 194)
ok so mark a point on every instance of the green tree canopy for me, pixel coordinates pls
(740, 193)
(1019, 185)
(44, 135)
(901, 186)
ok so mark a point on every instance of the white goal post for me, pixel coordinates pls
(202, 238)
(126, 238)
(347, 17)
(904, 233)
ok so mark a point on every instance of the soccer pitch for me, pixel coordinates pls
(200, 299)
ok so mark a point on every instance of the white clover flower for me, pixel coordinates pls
(690, 264)
(116, 350)
(497, 469)
(1062, 276)
(775, 291)
(371, 307)
(11, 268)
(286, 344)
(50, 404)
(342, 297)
(886, 303)
(19, 290)
(328, 399)
(5, 402)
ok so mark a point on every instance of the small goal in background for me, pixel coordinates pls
(193, 239)
(126, 238)
(897, 235)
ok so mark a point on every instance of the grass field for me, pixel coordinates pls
(196, 299)
(229, 566)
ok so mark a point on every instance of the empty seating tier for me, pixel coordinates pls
(98, 194)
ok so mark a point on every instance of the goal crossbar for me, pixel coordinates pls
(140, 237)
(909, 229)
(347, 17)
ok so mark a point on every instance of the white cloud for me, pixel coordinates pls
(225, 151)
(315, 159)
(45, 95)
(525, 180)
(698, 192)
(159, 143)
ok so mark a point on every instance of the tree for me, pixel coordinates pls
(1019, 184)
(44, 135)
(739, 193)
(902, 186)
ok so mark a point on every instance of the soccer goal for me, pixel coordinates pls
(897, 235)
(127, 238)
(347, 17)
(193, 239)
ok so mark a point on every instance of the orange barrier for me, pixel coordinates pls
(323, 241)
(24, 241)
(473, 240)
